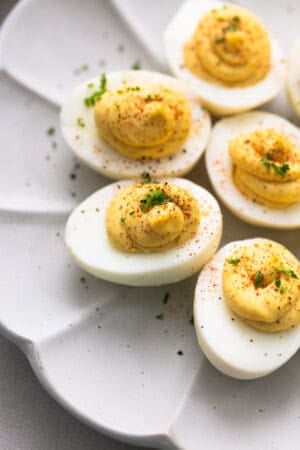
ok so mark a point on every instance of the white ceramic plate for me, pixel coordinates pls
(98, 348)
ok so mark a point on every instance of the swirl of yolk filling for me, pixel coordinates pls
(143, 122)
(151, 217)
(266, 167)
(229, 46)
(261, 284)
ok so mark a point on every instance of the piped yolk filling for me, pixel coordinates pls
(229, 46)
(152, 217)
(143, 121)
(261, 284)
(266, 167)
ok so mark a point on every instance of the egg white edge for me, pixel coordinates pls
(219, 169)
(96, 153)
(293, 77)
(229, 100)
(274, 344)
(206, 240)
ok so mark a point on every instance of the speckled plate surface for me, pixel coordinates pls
(98, 348)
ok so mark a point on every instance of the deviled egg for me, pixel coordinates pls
(247, 308)
(145, 234)
(253, 162)
(125, 123)
(293, 77)
(226, 54)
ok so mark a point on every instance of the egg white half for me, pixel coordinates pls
(219, 168)
(293, 77)
(220, 99)
(87, 240)
(96, 153)
(232, 346)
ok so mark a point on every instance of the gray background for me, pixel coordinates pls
(29, 418)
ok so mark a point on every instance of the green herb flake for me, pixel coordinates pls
(97, 210)
(51, 131)
(136, 66)
(283, 289)
(158, 197)
(96, 96)
(233, 27)
(80, 122)
(132, 213)
(123, 219)
(266, 161)
(133, 88)
(236, 19)
(90, 85)
(160, 316)
(219, 39)
(278, 282)
(280, 170)
(166, 298)
(233, 261)
(258, 279)
(288, 272)
(146, 178)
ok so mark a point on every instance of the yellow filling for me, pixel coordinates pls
(229, 46)
(152, 217)
(143, 121)
(266, 167)
(261, 284)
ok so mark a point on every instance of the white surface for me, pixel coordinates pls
(126, 377)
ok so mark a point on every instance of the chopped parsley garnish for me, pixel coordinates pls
(90, 85)
(278, 282)
(133, 88)
(233, 27)
(146, 177)
(90, 101)
(123, 219)
(132, 213)
(267, 160)
(288, 272)
(160, 316)
(233, 261)
(219, 39)
(280, 170)
(158, 197)
(97, 209)
(166, 298)
(258, 279)
(136, 66)
(283, 289)
(80, 122)
(51, 131)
